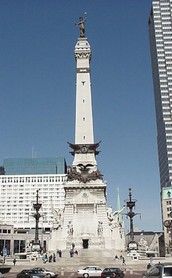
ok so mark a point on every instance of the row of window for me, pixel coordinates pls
(17, 191)
(35, 179)
(5, 231)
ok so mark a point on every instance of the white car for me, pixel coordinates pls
(1, 275)
(159, 271)
(48, 273)
(90, 271)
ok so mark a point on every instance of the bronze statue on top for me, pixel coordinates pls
(81, 25)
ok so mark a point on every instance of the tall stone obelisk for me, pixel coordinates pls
(88, 195)
(86, 221)
(84, 147)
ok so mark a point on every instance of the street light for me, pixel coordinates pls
(168, 225)
(36, 244)
(130, 203)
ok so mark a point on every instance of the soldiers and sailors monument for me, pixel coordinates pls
(85, 221)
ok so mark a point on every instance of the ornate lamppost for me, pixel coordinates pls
(168, 225)
(36, 244)
(130, 204)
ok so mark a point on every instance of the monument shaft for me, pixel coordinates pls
(86, 221)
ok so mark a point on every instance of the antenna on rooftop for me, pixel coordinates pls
(33, 153)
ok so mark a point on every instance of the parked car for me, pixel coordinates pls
(47, 272)
(111, 272)
(90, 271)
(30, 273)
(159, 271)
(1, 275)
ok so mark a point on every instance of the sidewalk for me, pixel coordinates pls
(68, 264)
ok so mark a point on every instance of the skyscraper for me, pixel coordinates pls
(160, 32)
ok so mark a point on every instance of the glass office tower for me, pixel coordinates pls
(160, 33)
(30, 166)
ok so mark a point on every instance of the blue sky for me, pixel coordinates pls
(37, 88)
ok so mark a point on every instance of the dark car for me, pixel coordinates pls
(30, 273)
(111, 272)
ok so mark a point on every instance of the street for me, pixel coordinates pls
(74, 275)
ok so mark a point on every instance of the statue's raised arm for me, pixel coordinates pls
(81, 25)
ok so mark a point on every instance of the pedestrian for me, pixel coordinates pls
(43, 259)
(54, 257)
(60, 253)
(46, 257)
(123, 261)
(50, 258)
(73, 245)
(71, 252)
(148, 266)
(14, 261)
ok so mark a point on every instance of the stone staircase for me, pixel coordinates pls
(86, 257)
(89, 257)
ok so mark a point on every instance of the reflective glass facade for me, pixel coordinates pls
(31, 166)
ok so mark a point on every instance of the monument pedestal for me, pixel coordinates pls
(85, 220)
